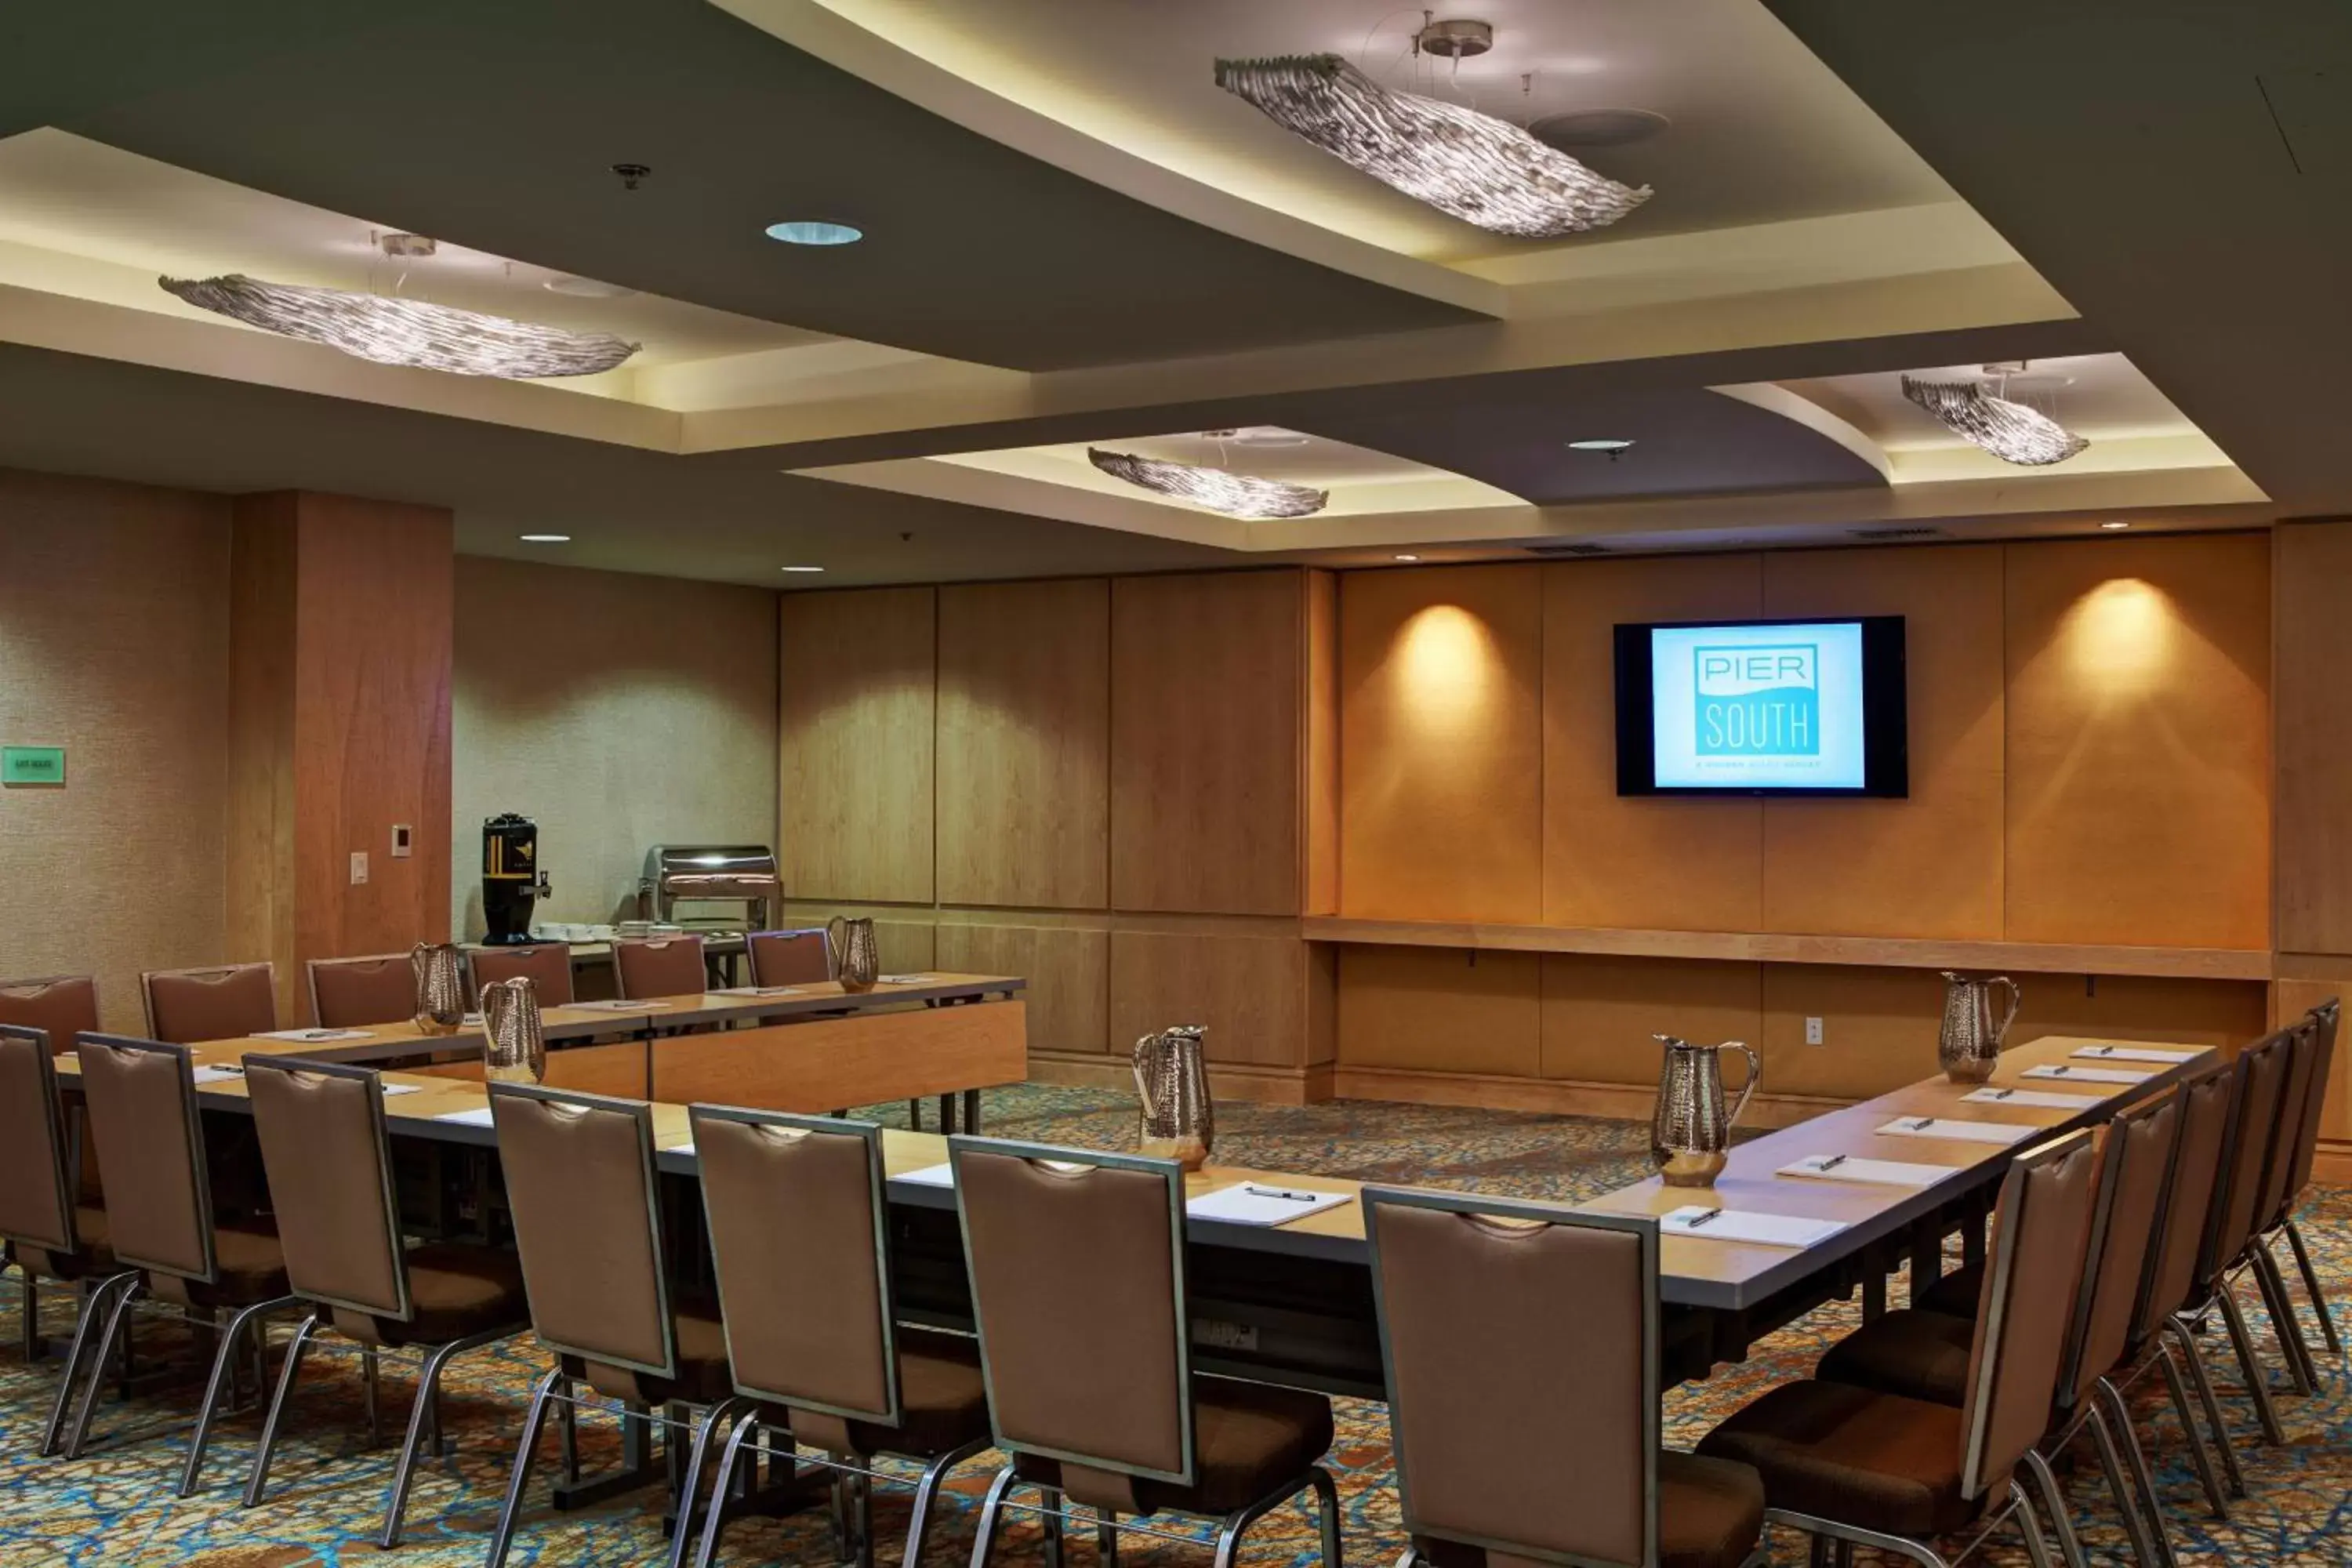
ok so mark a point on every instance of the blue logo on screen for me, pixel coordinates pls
(1759, 701)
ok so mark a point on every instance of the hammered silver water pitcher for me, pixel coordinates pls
(1967, 1046)
(440, 971)
(514, 1046)
(1690, 1135)
(857, 956)
(1171, 1081)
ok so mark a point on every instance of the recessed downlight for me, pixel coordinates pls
(1407, 557)
(545, 537)
(810, 231)
(1599, 444)
(581, 288)
(2111, 527)
(803, 568)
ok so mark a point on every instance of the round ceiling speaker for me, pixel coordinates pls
(1580, 129)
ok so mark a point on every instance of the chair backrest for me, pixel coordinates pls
(141, 1096)
(324, 1149)
(224, 1002)
(36, 1191)
(2286, 1137)
(2262, 1088)
(790, 957)
(349, 993)
(60, 1006)
(547, 965)
(2042, 1226)
(2134, 1160)
(2326, 1024)
(1520, 1342)
(587, 1221)
(649, 967)
(1076, 1263)
(796, 1213)
(2207, 1099)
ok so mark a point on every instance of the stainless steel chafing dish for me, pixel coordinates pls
(741, 874)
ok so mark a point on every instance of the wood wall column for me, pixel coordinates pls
(338, 728)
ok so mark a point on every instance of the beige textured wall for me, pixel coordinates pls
(114, 623)
(616, 711)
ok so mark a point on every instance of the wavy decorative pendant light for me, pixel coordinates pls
(1470, 165)
(404, 331)
(2009, 431)
(1235, 495)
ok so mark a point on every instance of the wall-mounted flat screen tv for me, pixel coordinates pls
(1762, 708)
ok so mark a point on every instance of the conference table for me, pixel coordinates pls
(1293, 1303)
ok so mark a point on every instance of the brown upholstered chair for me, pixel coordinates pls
(1087, 1351)
(329, 1163)
(2294, 1140)
(797, 1222)
(2326, 1024)
(61, 1006)
(581, 1191)
(159, 1203)
(650, 967)
(1513, 1439)
(47, 1234)
(2263, 1072)
(547, 965)
(1925, 1354)
(353, 992)
(790, 957)
(1856, 1465)
(222, 1001)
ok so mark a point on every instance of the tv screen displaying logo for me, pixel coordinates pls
(1759, 701)
(1757, 707)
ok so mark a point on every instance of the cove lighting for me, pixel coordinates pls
(546, 538)
(1599, 444)
(1407, 558)
(806, 231)
(404, 331)
(2111, 526)
(801, 568)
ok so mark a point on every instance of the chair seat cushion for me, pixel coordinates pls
(1852, 1455)
(250, 1267)
(1955, 1294)
(1710, 1515)
(703, 1376)
(942, 1398)
(1248, 1440)
(454, 1291)
(93, 1257)
(1918, 1355)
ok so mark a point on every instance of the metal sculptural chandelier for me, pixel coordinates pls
(404, 331)
(1470, 165)
(2009, 431)
(1235, 495)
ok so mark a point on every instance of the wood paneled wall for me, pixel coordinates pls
(2313, 696)
(857, 695)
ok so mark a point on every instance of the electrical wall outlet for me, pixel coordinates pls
(402, 835)
(1813, 1031)
(358, 867)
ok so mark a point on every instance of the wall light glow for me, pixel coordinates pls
(1449, 672)
(2120, 637)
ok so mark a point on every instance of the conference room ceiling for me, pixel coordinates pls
(1053, 255)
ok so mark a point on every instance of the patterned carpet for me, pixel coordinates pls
(116, 1506)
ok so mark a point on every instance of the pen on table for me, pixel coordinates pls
(1922, 1125)
(2100, 1051)
(1697, 1220)
(1257, 1191)
(1999, 1093)
(2058, 1071)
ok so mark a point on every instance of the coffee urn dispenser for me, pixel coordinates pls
(511, 880)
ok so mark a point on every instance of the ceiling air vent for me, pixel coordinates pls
(1567, 550)
(1882, 535)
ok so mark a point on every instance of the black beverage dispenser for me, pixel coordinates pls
(512, 879)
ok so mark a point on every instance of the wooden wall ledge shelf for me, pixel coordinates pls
(1768, 947)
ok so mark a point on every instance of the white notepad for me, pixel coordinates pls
(939, 1175)
(2064, 1071)
(1262, 1203)
(2040, 1098)
(682, 1146)
(218, 1075)
(1955, 1127)
(2136, 1053)
(478, 1116)
(1877, 1172)
(392, 1088)
(314, 1037)
(619, 1006)
(758, 991)
(1758, 1229)
(901, 979)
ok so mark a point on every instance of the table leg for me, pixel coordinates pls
(972, 1110)
(948, 1122)
(1874, 1284)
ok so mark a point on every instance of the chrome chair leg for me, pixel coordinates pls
(533, 1423)
(224, 1365)
(1106, 1539)
(2123, 1489)
(729, 1459)
(2202, 1462)
(96, 1303)
(991, 1513)
(115, 1332)
(927, 1492)
(690, 1491)
(1050, 1522)
(2302, 1372)
(2037, 1549)
(258, 1478)
(2204, 1381)
(2061, 1522)
(1326, 1512)
(2311, 1288)
(2143, 1477)
(422, 1410)
(2258, 1386)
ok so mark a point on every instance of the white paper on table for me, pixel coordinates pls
(1262, 1203)
(1956, 1127)
(2064, 1070)
(939, 1175)
(393, 1089)
(1760, 1229)
(616, 1006)
(218, 1075)
(682, 1146)
(1877, 1172)
(2137, 1054)
(313, 1036)
(758, 991)
(478, 1116)
(900, 979)
(2040, 1100)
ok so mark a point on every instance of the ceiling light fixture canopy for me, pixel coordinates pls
(1235, 495)
(1470, 165)
(2009, 431)
(404, 331)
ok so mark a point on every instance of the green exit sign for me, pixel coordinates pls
(32, 765)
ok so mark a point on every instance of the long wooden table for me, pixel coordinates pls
(1294, 1304)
